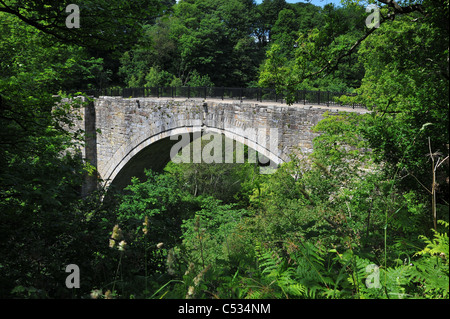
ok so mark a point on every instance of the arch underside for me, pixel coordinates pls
(153, 152)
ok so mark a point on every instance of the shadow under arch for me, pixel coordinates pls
(154, 152)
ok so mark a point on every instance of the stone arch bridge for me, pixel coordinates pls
(126, 135)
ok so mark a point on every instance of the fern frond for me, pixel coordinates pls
(433, 276)
(438, 245)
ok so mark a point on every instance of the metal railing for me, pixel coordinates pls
(304, 97)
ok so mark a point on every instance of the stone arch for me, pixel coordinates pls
(155, 150)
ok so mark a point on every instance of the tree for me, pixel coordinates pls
(295, 63)
(267, 15)
(204, 37)
(103, 24)
(40, 182)
(159, 201)
(286, 29)
(309, 15)
(45, 224)
(406, 84)
(405, 81)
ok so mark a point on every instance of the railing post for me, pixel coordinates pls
(136, 92)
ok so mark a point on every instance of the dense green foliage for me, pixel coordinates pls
(365, 215)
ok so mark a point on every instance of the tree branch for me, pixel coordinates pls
(398, 9)
(333, 64)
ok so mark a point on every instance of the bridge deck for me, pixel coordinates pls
(332, 108)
